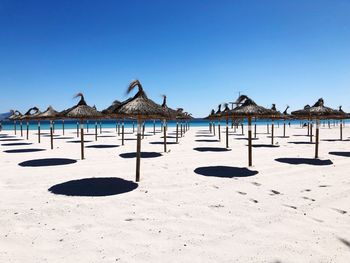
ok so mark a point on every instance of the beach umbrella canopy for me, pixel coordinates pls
(141, 108)
(15, 115)
(32, 112)
(111, 110)
(318, 111)
(82, 111)
(49, 113)
(169, 111)
(249, 109)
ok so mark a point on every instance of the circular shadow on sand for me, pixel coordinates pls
(63, 138)
(78, 141)
(302, 142)
(11, 140)
(304, 161)
(24, 150)
(47, 162)
(253, 139)
(224, 171)
(203, 140)
(106, 136)
(103, 146)
(163, 143)
(16, 144)
(143, 155)
(94, 187)
(334, 140)
(54, 135)
(343, 154)
(264, 146)
(211, 149)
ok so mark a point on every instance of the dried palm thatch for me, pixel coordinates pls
(211, 115)
(111, 110)
(50, 113)
(169, 111)
(82, 110)
(218, 112)
(275, 112)
(32, 112)
(15, 115)
(318, 111)
(249, 108)
(140, 105)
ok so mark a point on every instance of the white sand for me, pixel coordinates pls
(175, 214)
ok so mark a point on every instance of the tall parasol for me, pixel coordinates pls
(82, 112)
(249, 109)
(142, 108)
(317, 111)
(49, 114)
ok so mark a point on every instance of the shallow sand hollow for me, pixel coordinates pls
(196, 203)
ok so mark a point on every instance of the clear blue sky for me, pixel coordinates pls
(199, 53)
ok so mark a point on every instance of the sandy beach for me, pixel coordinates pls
(196, 203)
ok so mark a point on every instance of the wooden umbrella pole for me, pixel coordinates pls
(15, 127)
(177, 132)
(219, 130)
(82, 138)
(87, 126)
(95, 130)
(143, 129)
(53, 127)
(63, 127)
(100, 127)
(242, 126)
(317, 138)
(164, 135)
(181, 130)
(27, 130)
(138, 150)
(268, 128)
(341, 130)
(250, 162)
(133, 127)
(38, 131)
(308, 128)
(209, 125)
(272, 132)
(51, 134)
(255, 130)
(284, 128)
(21, 124)
(77, 129)
(118, 128)
(214, 128)
(226, 132)
(311, 131)
(123, 132)
(154, 127)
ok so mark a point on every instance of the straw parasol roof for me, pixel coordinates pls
(249, 108)
(31, 113)
(140, 105)
(169, 111)
(81, 110)
(15, 115)
(318, 110)
(50, 113)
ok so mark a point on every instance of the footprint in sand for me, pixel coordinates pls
(241, 193)
(306, 190)
(291, 206)
(324, 185)
(344, 241)
(343, 212)
(274, 192)
(254, 201)
(255, 183)
(308, 198)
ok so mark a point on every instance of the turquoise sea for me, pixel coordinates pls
(111, 124)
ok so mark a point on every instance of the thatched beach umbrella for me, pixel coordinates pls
(275, 114)
(225, 113)
(344, 116)
(285, 116)
(32, 112)
(140, 107)
(317, 111)
(82, 112)
(14, 117)
(49, 114)
(218, 117)
(171, 115)
(250, 109)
